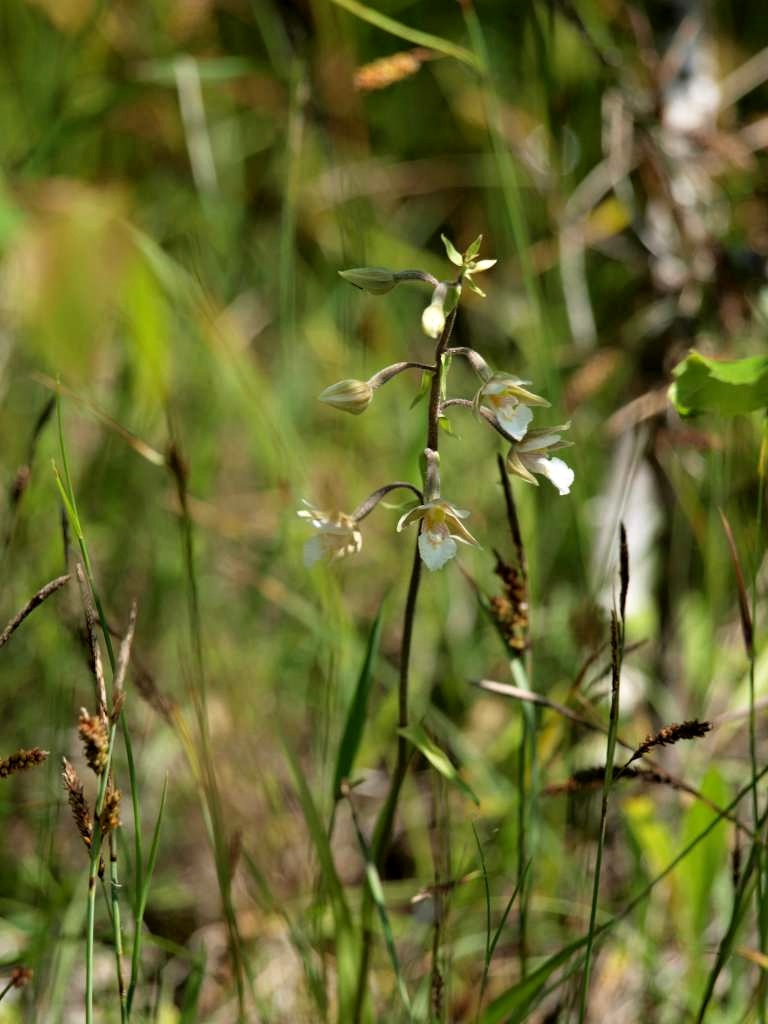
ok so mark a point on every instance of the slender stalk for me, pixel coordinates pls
(114, 890)
(617, 649)
(762, 900)
(382, 835)
(212, 796)
(521, 673)
(522, 839)
(70, 503)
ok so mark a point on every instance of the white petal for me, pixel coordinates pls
(494, 386)
(540, 443)
(313, 551)
(436, 549)
(555, 470)
(514, 422)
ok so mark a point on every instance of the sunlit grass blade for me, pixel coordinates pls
(410, 35)
(377, 894)
(346, 946)
(356, 716)
(514, 1004)
(416, 734)
(143, 895)
(192, 992)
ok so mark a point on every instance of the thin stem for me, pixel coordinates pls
(433, 421)
(417, 275)
(762, 904)
(70, 502)
(212, 803)
(43, 594)
(386, 375)
(383, 831)
(370, 503)
(114, 890)
(617, 650)
(486, 414)
(522, 675)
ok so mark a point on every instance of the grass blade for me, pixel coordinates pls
(410, 35)
(346, 946)
(377, 894)
(356, 716)
(143, 895)
(439, 760)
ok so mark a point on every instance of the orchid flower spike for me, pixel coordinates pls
(509, 400)
(533, 455)
(337, 535)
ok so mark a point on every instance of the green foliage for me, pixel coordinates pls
(727, 387)
(416, 734)
(357, 715)
(181, 184)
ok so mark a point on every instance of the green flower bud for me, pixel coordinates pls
(376, 280)
(348, 395)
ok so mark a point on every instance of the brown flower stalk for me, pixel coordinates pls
(95, 736)
(109, 819)
(592, 779)
(77, 802)
(97, 666)
(42, 595)
(509, 610)
(21, 760)
(690, 730)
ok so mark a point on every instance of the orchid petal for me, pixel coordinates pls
(516, 466)
(514, 421)
(556, 471)
(436, 548)
(411, 517)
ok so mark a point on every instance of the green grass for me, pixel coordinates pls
(180, 184)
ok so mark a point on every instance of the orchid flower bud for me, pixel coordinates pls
(348, 395)
(433, 317)
(376, 280)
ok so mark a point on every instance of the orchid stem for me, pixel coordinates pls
(382, 836)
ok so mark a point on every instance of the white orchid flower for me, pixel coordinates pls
(337, 535)
(533, 455)
(441, 528)
(509, 400)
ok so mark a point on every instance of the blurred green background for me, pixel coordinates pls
(179, 184)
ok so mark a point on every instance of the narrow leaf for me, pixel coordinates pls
(424, 386)
(356, 716)
(439, 760)
(514, 1004)
(411, 35)
(741, 587)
